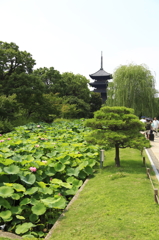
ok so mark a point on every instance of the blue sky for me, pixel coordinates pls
(69, 35)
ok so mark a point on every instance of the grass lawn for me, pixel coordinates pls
(115, 204)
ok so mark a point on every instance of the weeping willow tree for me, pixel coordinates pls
(133, 86)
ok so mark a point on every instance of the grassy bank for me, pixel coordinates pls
(117, 203)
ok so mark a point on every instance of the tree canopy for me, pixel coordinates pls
(42, 94)
(50, 78)
(116, 127)
(133, 86)
(13, 61)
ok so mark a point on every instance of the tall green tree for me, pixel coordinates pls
(73, 88)
(51, 79)
(13, 61)
(133, 86)
(95, 102)
(74, 85)
(116, 127)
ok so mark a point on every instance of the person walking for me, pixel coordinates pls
(148, 128)
(155, 125)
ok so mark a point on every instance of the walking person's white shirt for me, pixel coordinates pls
(155, 125)
(143, 120)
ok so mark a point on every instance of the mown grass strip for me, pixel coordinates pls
(115, 204)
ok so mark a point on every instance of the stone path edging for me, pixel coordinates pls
(154, 162)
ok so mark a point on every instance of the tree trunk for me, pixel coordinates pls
(117, 159)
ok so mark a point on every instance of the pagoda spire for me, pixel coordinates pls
(100, 83)
(101, 61)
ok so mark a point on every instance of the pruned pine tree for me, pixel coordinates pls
(133, 86)
(116, 127)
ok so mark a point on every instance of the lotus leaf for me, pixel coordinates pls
(58, 203)
(70, 179)
(6, 191)
(75, 182)
(5, 149)
(38, 155)
(31, 191)
(52, 154)
(16, 210)
(22, 228)
(51, 164)
(44, 158)
(17, 196)
(18, 187)
(29, 178)
(29, 158)
(33, 217)
(12, 169)
(4, 203)
(83, 165)
(5, 215)
(72, 191)
(33, 201)
(25, 201)
(50, 171)
(17, 158)
(8, 184)
(88, 170)
(82, 174)
(46, 191)
(8, 154)
(72, 171)
(61, 183)
(20, 217)
(7, 161)
(59, 167)
(39, 209)
(41, 184)
(91, 162)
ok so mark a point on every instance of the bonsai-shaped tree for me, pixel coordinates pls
(116, 127)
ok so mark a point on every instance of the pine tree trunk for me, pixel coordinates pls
(117, 159)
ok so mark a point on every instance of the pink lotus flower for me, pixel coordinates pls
(37, 145)
(38, 126)
(9, 138)
(42, 138)
(0, 134)
(33, 169)
(2, 140)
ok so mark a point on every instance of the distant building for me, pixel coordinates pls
(100, 84)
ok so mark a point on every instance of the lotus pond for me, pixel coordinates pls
(41, 168)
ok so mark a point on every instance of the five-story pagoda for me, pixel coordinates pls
(101, 78)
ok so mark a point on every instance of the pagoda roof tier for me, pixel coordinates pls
(98, 84)
(101, 74)
(100, 90)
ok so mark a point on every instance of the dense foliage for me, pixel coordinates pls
(133, 86)
(41, 168)
(39, 95)
(116, 127)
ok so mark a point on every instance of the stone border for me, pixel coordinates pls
(63, 214)
(9, 235)
(154, 162)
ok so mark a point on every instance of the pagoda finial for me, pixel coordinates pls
(101, 61)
